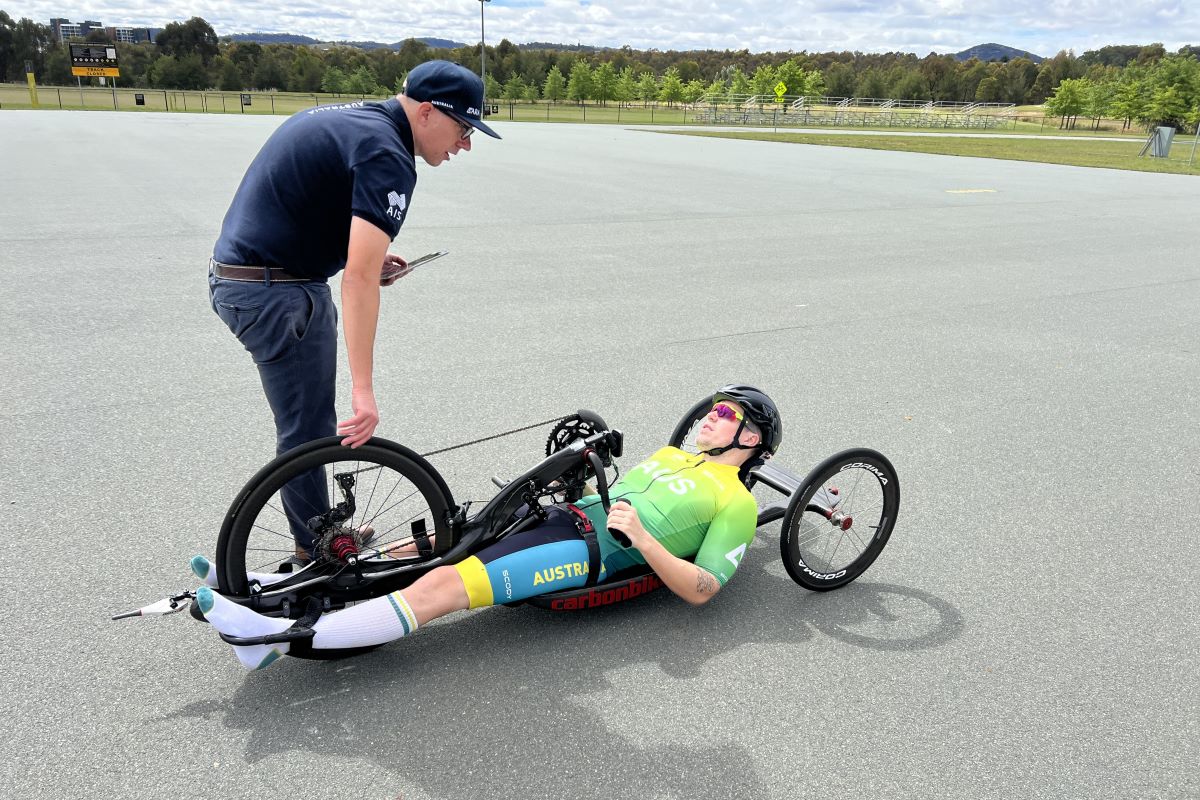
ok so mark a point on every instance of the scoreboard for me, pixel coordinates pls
(94, 61)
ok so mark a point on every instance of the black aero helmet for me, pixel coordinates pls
(759, 409)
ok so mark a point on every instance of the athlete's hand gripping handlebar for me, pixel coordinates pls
(602, 488)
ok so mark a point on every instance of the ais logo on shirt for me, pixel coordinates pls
(396, 204)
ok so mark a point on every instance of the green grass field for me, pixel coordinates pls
(964, 142)
(1107, 154)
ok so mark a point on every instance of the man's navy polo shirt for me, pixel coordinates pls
(318, 169)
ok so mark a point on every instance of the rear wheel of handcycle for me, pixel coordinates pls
(385, 496)
(839, 519)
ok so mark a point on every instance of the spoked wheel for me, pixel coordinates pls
(349, 513)
(839, 519)
(684, 435)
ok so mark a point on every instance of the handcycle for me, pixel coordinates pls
(391, 518)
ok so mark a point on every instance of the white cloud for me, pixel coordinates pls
(919, 26)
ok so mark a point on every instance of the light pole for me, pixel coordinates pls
(482, 49)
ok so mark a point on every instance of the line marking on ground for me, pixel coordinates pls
(970, 191)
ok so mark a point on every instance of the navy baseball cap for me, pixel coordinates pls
(451, 88)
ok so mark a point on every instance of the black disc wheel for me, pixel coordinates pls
(334, 522)
(839, 519)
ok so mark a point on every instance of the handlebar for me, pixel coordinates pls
(602, 487)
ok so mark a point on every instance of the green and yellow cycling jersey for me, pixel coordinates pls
(692, 506)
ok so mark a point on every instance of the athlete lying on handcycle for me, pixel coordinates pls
(688, 517)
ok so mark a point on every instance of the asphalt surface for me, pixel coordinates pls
(1027, 356)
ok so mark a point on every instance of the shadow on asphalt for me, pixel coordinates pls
(508, 677)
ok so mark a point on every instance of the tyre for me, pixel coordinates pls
(384, 497)
(839, 519)
(684, 435)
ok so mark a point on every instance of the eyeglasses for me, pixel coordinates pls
(464, 130)
(727, 412)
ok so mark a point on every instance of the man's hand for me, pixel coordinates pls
(359, 428)
(624, 518)
(394, 268)
(694, 584)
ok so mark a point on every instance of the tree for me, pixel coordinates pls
(626, 88)
(306, 71)
(1067, 101)
(739, 84)
(30, 42)
(514, 88)
(973, 73)
(1016, 79)
(604, 83)
(1166, 107)
(814, 84)
(764, 80)
(579, 84)
(179, 72)
(57, 71)
(363, 81)
(194, 37)
(555, 87)
(671, 89)
(269, 74)
(988, 90)
(791, 73)
(647, 88)
(491, 86)
(1097, 101)
(229, 77)
(1042, 85)
(909, 84)
(531, 93)
(1151, 53)
(1130, 99)
(334, 80)
(7, 24)
(693, 91)
(98, 36)
(870, 84)
(840, 80)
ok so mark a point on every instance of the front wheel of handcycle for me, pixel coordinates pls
(356, 516)
(839, 519)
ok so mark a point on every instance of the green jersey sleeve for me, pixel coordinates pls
(728, 536)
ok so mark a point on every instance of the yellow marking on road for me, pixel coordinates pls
(970, 191)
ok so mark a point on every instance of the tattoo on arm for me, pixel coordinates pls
(705, 582)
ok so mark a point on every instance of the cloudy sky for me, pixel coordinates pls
(918, 26)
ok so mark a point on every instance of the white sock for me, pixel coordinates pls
(206, 571)
(373, 622)
(230, 618)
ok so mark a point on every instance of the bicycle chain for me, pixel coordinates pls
(496, 436)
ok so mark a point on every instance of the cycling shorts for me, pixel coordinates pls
(543, 559)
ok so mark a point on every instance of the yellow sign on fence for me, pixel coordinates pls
(96, 72)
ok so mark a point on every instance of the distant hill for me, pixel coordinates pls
(270, 38)
(996, 52)
(292, 38)
(571, 48)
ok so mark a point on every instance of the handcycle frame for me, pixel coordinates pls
(561, 476)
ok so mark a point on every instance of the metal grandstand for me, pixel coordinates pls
(866, 112)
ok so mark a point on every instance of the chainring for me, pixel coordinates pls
(567, 431)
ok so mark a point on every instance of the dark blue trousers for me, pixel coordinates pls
(290, 330)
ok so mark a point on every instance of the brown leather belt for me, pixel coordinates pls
(230, 272)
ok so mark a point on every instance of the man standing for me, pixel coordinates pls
(327, 193)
